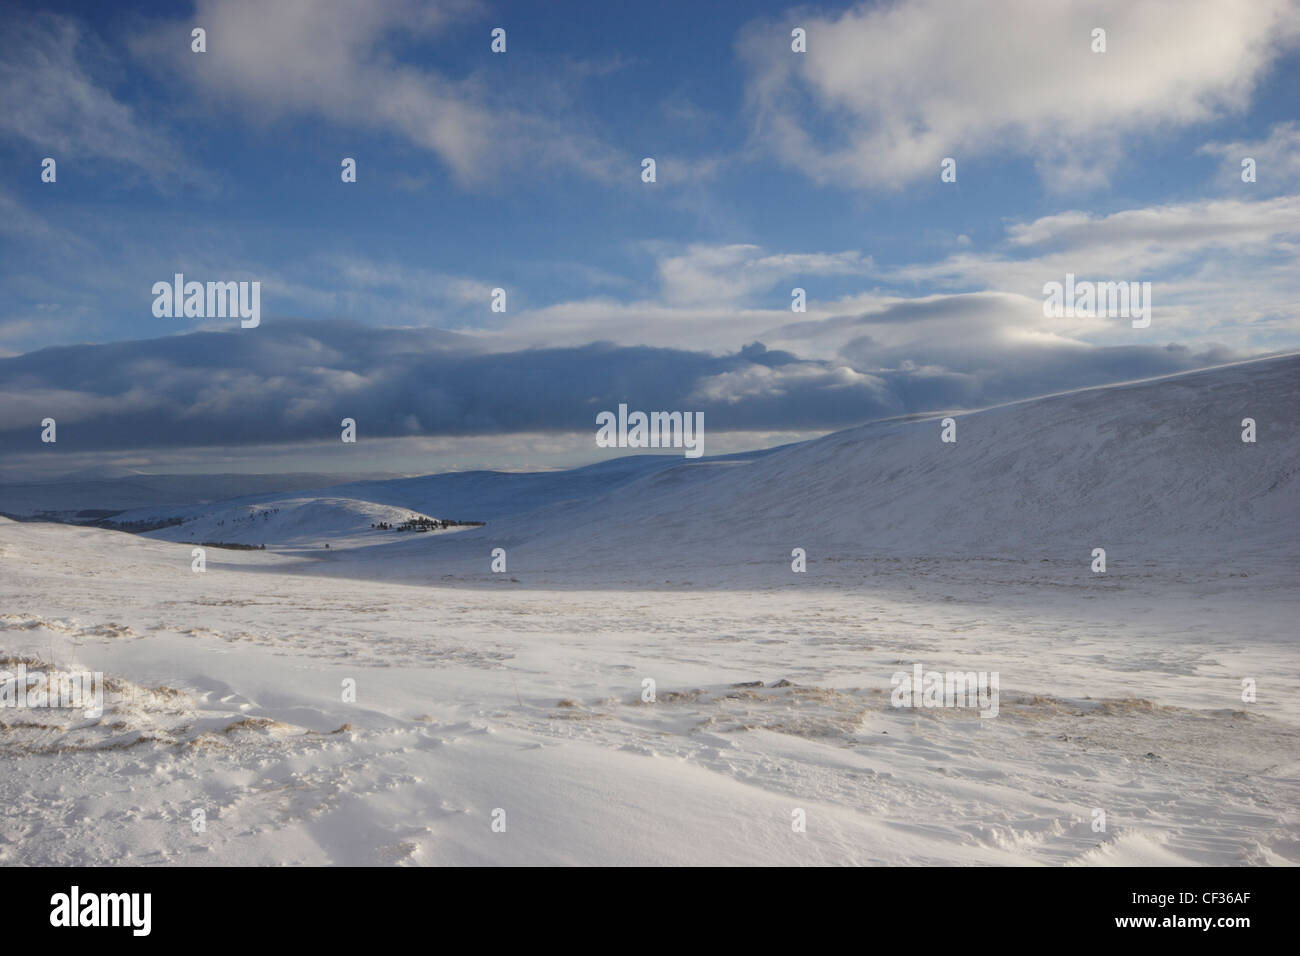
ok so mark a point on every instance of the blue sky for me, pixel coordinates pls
(522, 171)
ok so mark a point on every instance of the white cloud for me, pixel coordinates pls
(755, 381)
(335, 60)
(886, 91)
(1165, 231)
(52, 99)
(1224, 271)
(723, 274)
(1218, 266)
(1277, 159)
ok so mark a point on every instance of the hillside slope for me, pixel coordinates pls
(1151, 471)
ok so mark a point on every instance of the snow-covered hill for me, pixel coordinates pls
(289, 522)
(454, 496)
(1146, 468)
(1154, 472)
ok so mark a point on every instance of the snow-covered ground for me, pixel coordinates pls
(522, 692)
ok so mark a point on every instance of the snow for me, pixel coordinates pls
(286, 522)
(522, 691)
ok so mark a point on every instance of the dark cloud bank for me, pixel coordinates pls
(293, 380)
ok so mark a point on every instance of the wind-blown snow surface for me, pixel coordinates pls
(522, 691)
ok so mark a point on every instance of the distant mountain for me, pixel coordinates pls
(114, 488)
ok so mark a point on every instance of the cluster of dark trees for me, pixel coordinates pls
(425, 524)
(233, 547)
(252, 516)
